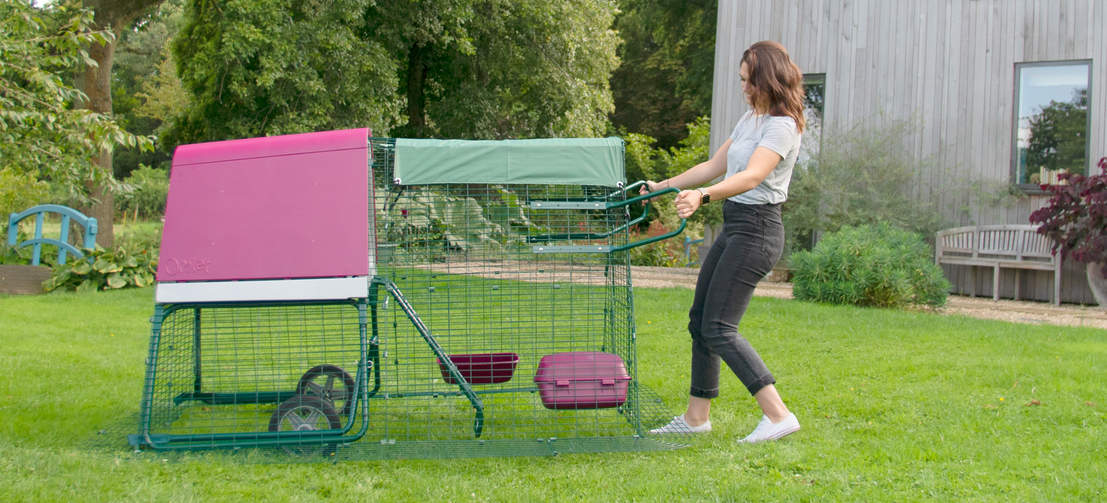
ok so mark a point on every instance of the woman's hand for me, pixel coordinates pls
(687, 202)
(651, 186)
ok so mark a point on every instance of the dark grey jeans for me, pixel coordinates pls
(749, 247)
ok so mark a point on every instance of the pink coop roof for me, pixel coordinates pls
(281, 207)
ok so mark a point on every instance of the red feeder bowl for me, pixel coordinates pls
(481, 368)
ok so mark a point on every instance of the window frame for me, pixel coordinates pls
(1030, 188)
(818, 78)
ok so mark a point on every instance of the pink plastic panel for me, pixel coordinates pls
(280, 207)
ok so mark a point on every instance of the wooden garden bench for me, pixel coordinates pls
(999, 247)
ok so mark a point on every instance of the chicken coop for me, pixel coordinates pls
(339, 295)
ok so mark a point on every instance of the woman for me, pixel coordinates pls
(757, 160)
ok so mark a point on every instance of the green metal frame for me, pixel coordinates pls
(370, 359)
(605, 206)
(248, 439)
(465, 389)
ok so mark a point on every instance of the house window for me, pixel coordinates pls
(1051, 121)
(814, 90)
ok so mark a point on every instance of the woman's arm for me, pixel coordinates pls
(761, 163)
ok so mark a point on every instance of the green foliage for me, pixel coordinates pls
(42, 134)
(428, 223)
(140, 236)
(1058, 138)
(145, 190)
(500, 68)
(104, 270)
(667, 253)
(862, 176)
(870, 265)
(668, 60)
(447, 68)
(146, 93)
(9, 255)
(19, 191)
(281, 66)
(645, 162)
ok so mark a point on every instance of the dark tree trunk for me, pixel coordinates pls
(416, 97)
(96, 84)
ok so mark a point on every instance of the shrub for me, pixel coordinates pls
(870, 265)
(9, 255)
(666, 253)
(139, 236)
(861, 176)
(19, 191)
(104, 270)
(1075, 217)
(145, 191)
(644, 162)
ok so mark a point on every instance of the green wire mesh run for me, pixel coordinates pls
(500, 322)
(506, 275)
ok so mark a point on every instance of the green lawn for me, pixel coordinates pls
(895, 406)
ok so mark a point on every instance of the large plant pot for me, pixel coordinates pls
(1098, 284)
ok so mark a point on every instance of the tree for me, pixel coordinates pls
(42, 135)
(280, 66)
(95, 82)
(456, 68)
(146, 93)
(1058, 136)
(501, 68)
(668, 61)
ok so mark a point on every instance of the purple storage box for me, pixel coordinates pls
(481, 368)
(582, 380)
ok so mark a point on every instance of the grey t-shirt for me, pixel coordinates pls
(774, 132)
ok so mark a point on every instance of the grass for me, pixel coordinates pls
(895, 405)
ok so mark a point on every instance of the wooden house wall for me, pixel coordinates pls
(947, 67)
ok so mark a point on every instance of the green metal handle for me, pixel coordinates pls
(617, 204)
(600, 235)
(636, 244)
(651, 195)
(642, 197)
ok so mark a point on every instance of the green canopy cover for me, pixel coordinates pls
(550, 161)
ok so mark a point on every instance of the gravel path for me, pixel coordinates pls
(977, 307)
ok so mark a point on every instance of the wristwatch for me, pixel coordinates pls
(704, 197)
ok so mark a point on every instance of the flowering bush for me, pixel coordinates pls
(1075, 217)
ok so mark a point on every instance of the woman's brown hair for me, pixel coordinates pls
(776, 83)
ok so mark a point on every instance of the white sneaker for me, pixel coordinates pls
(679, 425)
(768, 430)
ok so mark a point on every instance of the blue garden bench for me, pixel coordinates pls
(68, 215)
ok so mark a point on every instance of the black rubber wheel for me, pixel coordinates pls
(329, 382)
(306, 413)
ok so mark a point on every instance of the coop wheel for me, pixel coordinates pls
(306, 413)
(329, 382)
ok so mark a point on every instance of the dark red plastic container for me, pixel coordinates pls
(481, 368)
(582, 380)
